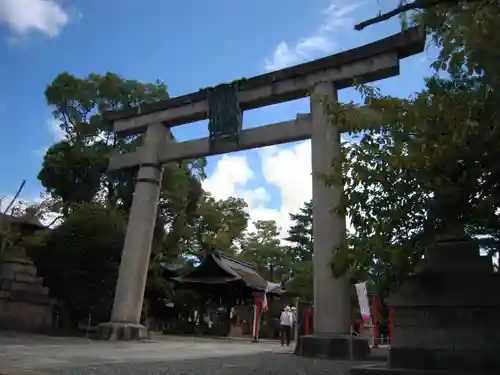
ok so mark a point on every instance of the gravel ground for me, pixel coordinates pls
(263, 363)
(168, 355)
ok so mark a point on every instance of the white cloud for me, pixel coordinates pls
(282, 57)
(4, 202)
(23, 16)
(230, 174)
(338, 16)
(53, 126)
(40, 152)
(47, 219)
(230, 178)
(321, 41)
(288, 169)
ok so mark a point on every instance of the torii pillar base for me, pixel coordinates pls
(343, 347)
(113, 331)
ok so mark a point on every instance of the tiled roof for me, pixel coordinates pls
(25, 220)
(218, 268)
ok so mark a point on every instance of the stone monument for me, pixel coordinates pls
(445, 316)
(25, 304)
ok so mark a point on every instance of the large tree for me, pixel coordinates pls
(300, 234)
(74, 170)
(79, 261)
(218, 224)
(263, 248)
(431, 166)
(299, 250)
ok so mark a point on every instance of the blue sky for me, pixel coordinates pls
(187, 44)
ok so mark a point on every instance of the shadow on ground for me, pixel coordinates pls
(171, 355)
(265, 363)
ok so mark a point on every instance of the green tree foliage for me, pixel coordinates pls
(73, 173)
(74, 170)
(12, 238)
(431, 168)
(263, 248)
(78, 103)
(219, 224)
(79, 260)
(300, 283)
(299, 252)
(300, 234)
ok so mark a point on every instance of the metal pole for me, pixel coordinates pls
(88, 325)
(351, 346)
(391, 326)
(256, 323)
(296, 321)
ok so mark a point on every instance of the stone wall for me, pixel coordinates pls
(24, 301)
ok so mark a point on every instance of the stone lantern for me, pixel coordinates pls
(445, 316)
(24, 302)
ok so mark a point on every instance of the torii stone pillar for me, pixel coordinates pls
(332, 303)
(129, 293)
(331, 296)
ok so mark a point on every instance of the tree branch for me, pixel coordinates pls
(54, 221)
(21, 187)
(417, 4)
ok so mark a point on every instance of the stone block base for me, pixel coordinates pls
(25, 304)
(122, 332)
(443, 359)
(385, 370)
(332, 347)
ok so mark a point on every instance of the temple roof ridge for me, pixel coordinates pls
(245, 263)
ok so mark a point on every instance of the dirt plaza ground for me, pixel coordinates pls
(173, 355)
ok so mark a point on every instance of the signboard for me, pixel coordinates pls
(364, 305)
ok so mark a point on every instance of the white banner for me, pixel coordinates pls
(364, 305)
(269, 287)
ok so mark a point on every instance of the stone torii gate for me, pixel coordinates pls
(325, 76)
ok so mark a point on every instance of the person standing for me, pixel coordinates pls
(286, 324)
